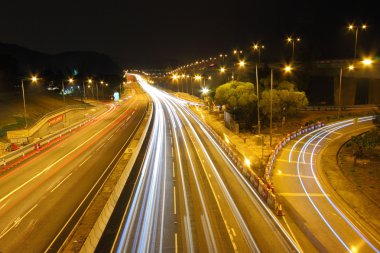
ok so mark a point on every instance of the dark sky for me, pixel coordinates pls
(144, 34)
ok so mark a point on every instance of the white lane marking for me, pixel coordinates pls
(17, 221)
(176, 242)
(233, 232)
(175, 201)
(61, 182)
(292, 234)
(100, 146)
(51, 165)
(85, 160)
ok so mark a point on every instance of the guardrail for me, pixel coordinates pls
(7, 161)
(335, 108)
(282, 143)
(48, 115)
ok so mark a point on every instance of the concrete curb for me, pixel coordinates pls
(98, 229)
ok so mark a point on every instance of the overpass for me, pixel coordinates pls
(358, 87)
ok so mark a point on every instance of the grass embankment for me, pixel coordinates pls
(38, 103)
(364, 172)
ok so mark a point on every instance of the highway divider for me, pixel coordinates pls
(96, 232)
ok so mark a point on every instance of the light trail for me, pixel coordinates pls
(147, 205)
(322, 134)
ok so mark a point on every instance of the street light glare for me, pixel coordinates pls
(288, 68)
(367, 61)
(247, 162)
(71, 80)
(241, 64)
(34, 79)
(205, 90)
(351, 67)
(89, 80)
(222, 69)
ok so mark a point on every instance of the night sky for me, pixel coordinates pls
(154, 34)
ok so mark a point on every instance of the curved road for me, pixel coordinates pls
(318, 211)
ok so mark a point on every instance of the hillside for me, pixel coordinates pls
(17, 62)
(38, 103)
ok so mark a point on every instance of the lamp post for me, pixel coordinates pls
(287, 69)
(222, 56)
(271, 105)
(293, 40)
(356, 28)
(366, 63)
(258, 47)
(70, 80)
(175, 77)
(198, 78)
(33, 79)
(241, 65)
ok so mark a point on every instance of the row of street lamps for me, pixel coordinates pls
(257, 47)
(34, 79)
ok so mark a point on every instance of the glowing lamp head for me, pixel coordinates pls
(34, 79)
(351, 67)
(71, 80)
(241, 64)
(288, 69)
(205, 90)
(89, 80)
(222, 69)
(367, 61)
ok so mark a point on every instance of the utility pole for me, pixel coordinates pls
(271, 104)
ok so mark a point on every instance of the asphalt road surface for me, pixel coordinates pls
(189, 197)
(316, 209)
(43, 197)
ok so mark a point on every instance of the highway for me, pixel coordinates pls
(318, 212)
(189, 197)
(42, 198)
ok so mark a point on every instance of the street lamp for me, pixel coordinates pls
(222, 56)
(175, 77)
(241, 64)
(205, 91)
(293, 40)
(356, 28)
(33, 79)
(287, 69)
(70, 80)
(258, 47)
(367, 62)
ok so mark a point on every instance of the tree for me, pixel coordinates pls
(363, 144)
(285, 100)
(239, 99)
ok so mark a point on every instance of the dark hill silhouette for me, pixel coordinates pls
(17, 62)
